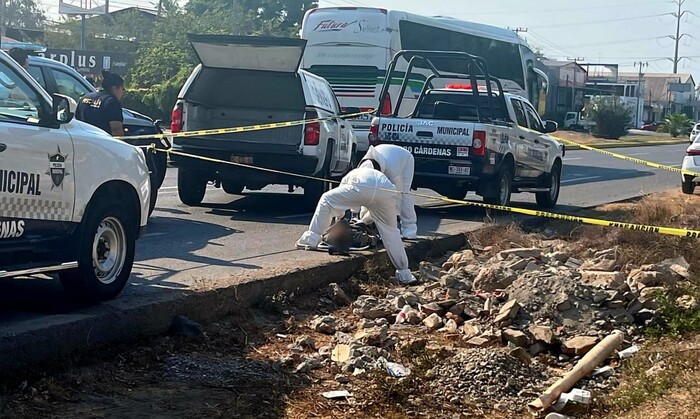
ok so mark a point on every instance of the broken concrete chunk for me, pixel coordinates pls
(451, 326)
(433, 322)
(525, 253)
(564, 306)
(432, 308)
(508, 312)
(478, 341)
(324, 324)
(609, 280)
(516, 337)
(429, 272)
(580, 345)
(493, 277)
(338, 295)
(369, 307)
(521, 355)
(542, 333)
(471, 330)
(372, 337)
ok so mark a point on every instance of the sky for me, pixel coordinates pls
(596, 31)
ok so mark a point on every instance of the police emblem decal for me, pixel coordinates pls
(57, 168)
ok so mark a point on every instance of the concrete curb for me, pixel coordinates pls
(120, 322)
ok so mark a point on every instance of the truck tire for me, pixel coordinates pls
(553, 181)
(105, 253)
(191, 186)
(688, 186)
(504, 186)
(231, 187)
(457, 193)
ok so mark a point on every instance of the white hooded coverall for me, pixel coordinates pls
(398, 165)
(369, 188)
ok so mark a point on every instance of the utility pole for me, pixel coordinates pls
(234, 14)
(2, 20)
(677, 39)
(160, 8)
(639, 92)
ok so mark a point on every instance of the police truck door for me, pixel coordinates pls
(37, 183)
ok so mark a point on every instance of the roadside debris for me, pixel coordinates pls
(182, 326)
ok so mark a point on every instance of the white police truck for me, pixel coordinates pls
(73, 200)
(467, 134)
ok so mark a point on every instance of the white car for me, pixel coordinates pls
(691, 162)
(694, 132)
(73, 200)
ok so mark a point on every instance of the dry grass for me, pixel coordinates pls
(668, 209)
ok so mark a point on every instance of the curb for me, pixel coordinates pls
(121, 322)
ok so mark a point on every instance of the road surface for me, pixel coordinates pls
(189, 248)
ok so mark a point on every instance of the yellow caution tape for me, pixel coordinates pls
(248, 128)
(628, 158)
(681, 232)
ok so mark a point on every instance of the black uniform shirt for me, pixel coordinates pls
(99, 109)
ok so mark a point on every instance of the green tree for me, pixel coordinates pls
(23, 17)
(676, 124)
(122, 32)
(163, 65)
(610, 116)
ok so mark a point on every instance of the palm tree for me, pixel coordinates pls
(676, 124)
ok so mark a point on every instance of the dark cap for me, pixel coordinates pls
(110, 80)
(19, 55)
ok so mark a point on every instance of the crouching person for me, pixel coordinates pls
(371, 189)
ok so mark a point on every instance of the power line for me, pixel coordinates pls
(587, 23)
(554, 46)
(621, 41)
(533, 11)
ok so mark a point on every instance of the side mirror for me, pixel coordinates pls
(63, 108)
(157, 122)
(550, 126)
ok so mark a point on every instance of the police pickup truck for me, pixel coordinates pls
(482, 140)
(73, 199)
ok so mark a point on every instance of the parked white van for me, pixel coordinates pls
(245, 81)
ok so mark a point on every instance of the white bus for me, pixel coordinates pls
(351, 47)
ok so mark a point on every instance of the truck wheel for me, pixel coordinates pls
(106, 253)
(191, 186)
(504, 186)
(549, 199)
(688, 186)
(231, 187)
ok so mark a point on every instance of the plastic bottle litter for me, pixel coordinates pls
(557, 416)
(401, 317)
(395, 370)
(629, 352)
(573, 399)
(337, 394)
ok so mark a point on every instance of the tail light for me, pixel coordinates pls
(373, 136)
(693, 151)
(479, 143)
(312, 130)
(386, 105)
(176, 119)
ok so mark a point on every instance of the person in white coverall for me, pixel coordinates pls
(369, 188)
(398, 165)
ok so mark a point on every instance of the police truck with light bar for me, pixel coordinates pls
(467, 134)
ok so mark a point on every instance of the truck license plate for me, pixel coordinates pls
(242, 159)
(459, 170)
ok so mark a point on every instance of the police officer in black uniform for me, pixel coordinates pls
(103, 109)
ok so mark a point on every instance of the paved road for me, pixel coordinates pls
(254, 234)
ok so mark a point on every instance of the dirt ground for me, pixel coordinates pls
(240, 366)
